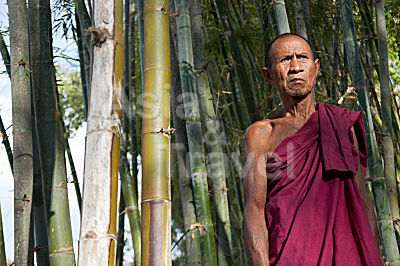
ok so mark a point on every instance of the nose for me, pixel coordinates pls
(295, 65)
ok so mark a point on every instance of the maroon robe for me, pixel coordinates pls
(314, 212)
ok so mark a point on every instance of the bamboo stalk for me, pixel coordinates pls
(22, 129)
(384, 216)
(239, 65)
(74, 174)
(121, 230)
(2, 243)
(194, 134)
(281, 16)
(6, 143)
(388, 154)
(6, 60)
(156, 198)
(141, 38)
(193, 253)
(84, 80)
(39, 209)
(50, 136)
(127, 184)
(5, 55)
(84, 47)
(98, 227)
(303, 19)
(215, 155)
(132, 95)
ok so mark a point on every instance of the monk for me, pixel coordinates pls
(305, 193)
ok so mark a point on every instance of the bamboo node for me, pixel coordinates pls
(92, 234)
(22, 63)
(163, 9)
(196, 226)
(165, 132)
(99, 35)
(26, 198)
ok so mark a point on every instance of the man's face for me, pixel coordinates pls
(293, 70)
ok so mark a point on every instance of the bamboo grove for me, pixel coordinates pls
(167, 90)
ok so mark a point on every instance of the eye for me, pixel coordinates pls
(302, 56)
(286, 58)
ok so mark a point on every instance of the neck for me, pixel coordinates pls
(299, 107)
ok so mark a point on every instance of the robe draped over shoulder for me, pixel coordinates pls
(314, 212)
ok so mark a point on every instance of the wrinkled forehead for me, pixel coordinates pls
(290, 44)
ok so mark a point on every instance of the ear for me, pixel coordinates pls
(317, 65)
(267, 75)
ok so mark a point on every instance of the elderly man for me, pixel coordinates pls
(305, 193)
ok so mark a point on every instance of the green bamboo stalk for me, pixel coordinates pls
(5, 55)
(121, 230)
(232, 97)
(132, 95)
(302, 19)
(74, 174)
(141, 38)
(6, 60)
(98, 235)
(193, 253)
(239, 64)
(396, 120)
(22, 129)
(272, 21)
(156, 195)
(384, 216)
(194, 134)
(236, 201)
(2, 243)
(127, 184)
(84, 81)
(6, 143)
(335, 61)
(281, 16)
(75, 180)
(132, 209)
(131, 204)
(215, 155)
(388, 154)
(84, 45)
(50, 136)
(41, 241)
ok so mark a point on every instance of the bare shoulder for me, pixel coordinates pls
(257, 135)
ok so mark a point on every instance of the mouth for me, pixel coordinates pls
(297, 80)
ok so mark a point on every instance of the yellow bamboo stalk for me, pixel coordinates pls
(99, 211)
(156, 198)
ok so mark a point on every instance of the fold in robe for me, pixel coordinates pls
(314, 212)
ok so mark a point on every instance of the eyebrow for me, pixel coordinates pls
(291, 55)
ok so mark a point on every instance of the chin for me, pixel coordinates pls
(299, 93)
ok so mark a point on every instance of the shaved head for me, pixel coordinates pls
(268, 51)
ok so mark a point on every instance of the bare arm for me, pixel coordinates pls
(362, 189)
(255, 193)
